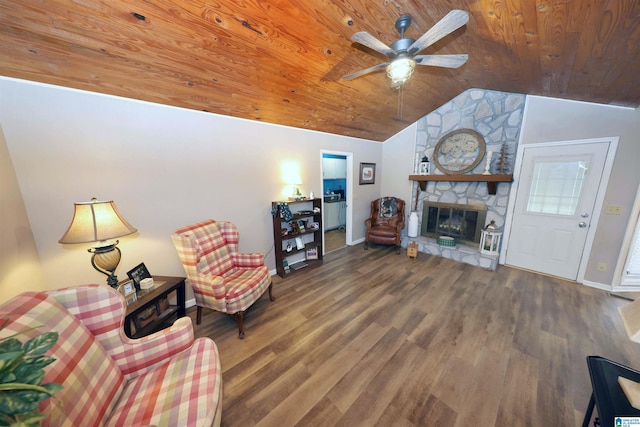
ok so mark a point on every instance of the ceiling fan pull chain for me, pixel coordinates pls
(400, 101)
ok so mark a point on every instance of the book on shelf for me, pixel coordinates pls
(298, 265)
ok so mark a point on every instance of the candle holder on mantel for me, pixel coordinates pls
(487, 165)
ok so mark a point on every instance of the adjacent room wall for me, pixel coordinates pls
(164, 167)
(20, 266)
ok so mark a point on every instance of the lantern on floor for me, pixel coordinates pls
(490, 239)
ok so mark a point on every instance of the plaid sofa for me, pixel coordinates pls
(164, 379)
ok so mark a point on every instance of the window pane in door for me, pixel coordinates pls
(556, 187)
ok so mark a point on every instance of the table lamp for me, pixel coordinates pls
(99, 221)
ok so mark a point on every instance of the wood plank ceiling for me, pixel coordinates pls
(283, 61)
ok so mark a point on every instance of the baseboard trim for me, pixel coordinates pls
(597, 285)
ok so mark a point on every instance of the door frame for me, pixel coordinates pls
(634, 221)
(348, 199)
(597, 207)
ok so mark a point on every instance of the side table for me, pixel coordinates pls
(152, 308)
(607, 394)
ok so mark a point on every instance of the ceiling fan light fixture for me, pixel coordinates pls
(400, 70)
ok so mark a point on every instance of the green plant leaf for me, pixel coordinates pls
(8, 363)
(9, 345)
(29, 376)
(31, 419)
(38, 362)
(8, 377)
(21, 372)
(53, 388)
(40, 344)
(12, 403)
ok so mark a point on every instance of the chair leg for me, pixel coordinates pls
(239, 317)
(199, 315)
(397, 249)
(270, 292)
(366, 245)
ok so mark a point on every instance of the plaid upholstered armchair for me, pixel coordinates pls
(166, 378)
(222, 278)
(385, 223)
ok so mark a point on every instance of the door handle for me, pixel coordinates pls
(582, 224)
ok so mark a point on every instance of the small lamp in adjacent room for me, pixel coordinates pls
(490, 239)
(99, 221)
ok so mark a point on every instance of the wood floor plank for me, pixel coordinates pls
(480, 409)
(300, 401)
(373, 401)
(354, 382)
(373, 338)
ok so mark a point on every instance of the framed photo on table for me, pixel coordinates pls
(128, 290)
(137, 274)
(312, 253)
(367, 173)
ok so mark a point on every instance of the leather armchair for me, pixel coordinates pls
(385, 223)
(222, 278)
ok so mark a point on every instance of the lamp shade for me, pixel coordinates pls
(96, 221)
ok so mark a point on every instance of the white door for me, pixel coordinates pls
(554, 206)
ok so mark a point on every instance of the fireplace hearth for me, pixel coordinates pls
(462, 222)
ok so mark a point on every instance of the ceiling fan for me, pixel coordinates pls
(402, 53)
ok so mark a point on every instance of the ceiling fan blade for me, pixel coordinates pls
(371, 42)
(365, 71)
(451, 22)
(446, 61)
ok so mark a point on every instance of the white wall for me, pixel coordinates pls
(164, 167)
(398, 163)
(550, 119)
(20, 266)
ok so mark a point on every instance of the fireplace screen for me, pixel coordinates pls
(462, 222)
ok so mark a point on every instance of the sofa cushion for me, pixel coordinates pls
(174, 393)
(92, 382)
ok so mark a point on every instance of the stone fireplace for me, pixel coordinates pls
(497, 116)
(462, 222)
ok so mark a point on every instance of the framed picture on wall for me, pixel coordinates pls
(367, 173)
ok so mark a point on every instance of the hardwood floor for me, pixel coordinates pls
(372, 338)
(334, 239)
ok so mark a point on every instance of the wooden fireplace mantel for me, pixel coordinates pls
(491, 180)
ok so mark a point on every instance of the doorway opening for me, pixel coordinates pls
(336, 193)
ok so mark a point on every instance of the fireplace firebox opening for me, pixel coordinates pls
(462, 222)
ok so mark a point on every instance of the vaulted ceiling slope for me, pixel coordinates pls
(282, 61)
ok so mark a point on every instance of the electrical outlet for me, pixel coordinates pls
(602, 266)
(613, 210)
